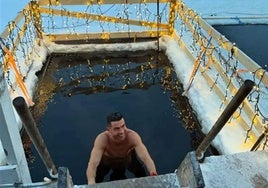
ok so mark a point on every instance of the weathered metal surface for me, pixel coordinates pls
(166, 180)
(64, 179)
(189, 172)
(33, 132)
(11, 141)
(87, 2)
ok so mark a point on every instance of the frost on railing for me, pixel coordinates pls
(225, 68)
(17, 43)
(103, 18)
(20, 34)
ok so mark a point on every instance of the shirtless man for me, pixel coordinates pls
(116, 149)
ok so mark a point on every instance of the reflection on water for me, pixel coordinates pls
(77, 91)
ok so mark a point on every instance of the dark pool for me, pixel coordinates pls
(82, 89)
(72, 104)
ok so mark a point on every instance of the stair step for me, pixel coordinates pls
(166, 180)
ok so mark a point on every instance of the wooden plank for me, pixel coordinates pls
(103, 18)
(92, 2)
(251, 65)
(90, 36)
(223, 42)
(258, 127)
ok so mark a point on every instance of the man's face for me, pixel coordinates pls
(117, 129)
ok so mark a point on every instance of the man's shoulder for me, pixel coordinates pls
(133, 134)
(104, 133)
(103, 136)
(130, 131)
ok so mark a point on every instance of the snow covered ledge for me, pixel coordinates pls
(245, 169)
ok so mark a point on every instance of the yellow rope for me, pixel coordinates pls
(10, 61)
(197, 63)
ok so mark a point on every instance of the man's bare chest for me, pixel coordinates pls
(118, 150)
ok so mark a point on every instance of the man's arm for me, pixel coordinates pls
(144, 155)
(95, 158)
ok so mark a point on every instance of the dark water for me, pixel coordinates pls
(72, 105)
(76, 113)
(251, 39)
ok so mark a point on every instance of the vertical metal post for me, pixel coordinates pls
(172, 11)
(241, 94)
(11, 141)
(33, 132)
(34, 6)
(64, 179)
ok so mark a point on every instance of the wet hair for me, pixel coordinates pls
(116, 116)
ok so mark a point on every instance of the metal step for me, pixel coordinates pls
(161, 181)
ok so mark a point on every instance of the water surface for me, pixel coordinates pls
(83, 90)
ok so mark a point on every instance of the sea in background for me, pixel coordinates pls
(251, 39)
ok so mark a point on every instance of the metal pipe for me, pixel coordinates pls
(34, 134)
(241, 94)
(257, 143)
(48, 183)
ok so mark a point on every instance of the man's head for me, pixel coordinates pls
(116, 126)
(116, 116)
